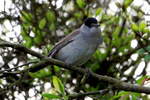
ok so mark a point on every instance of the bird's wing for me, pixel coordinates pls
(68, 39)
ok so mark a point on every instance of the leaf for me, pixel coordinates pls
(50, 96)
(142, 26)
(78, 15)
(66, 98)
(56, 68)
(50, 16)
(129, 38)
(97, 54)
(80, 3)
(148, 48)
(40, 74)
(134, 27)
(127, 3)
(94, 66)
(37, 39)
(146, 30)
(42, 23)
(117, 40)
(140, 80)
(52, 26)
(147, 57)
(122, 93)
(116, 31)
(122, 49)
(135, 96)
(24, 33)
(141, 51)
(28, 42)
(26, 17)
(58, 85)
(98, 11)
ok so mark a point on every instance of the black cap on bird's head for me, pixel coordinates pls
(91, 22)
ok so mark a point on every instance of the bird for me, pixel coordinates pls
(77, 47)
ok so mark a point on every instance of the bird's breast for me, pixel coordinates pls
(77, 52)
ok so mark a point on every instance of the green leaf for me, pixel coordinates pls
(116, 31)
(37, 39)
(142, 26)
(78, 15)
(127, 3)
(40, 74)
(26, 17)
(121, 49)
(56, 68)
(98, 11)
(66, 98)
(135, 27)
(117, 40)
(80, 3)
(28, 42)
(141, 51)
(148, 48)
(129, 38)
(97, 54)
(50, 16)
(135, 96)
(52, 26)
(50, 96)
(146, 30)
(24, 33)
(147, 57)
(140, 80)
(122, 93)
(94, 66)
(58, 85)
(42, 23)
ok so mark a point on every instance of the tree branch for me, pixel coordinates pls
(100, 92)
(21, 48)
(117, 84)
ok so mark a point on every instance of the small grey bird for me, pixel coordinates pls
(76, 48)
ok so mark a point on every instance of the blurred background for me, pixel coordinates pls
(40, 24)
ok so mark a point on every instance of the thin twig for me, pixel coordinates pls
(6, 70)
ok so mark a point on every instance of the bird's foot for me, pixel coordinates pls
(86, 75)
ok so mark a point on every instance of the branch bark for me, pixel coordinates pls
(117, 84)
(100, 92)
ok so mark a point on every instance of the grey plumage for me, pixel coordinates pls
(76, 48)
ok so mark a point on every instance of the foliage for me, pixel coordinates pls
(42, 23)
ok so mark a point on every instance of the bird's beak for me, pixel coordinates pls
(95, 25)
